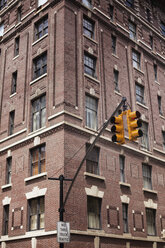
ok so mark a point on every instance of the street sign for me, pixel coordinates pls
(63, 232)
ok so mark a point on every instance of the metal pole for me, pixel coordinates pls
(61, 209)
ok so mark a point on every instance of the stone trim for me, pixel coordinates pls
(94, 191)
(36, 192)
(6, 201)
(27, 179)
(150, 204)
(125, 199)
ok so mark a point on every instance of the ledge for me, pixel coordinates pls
(35, 42)
(13, 94)
(87, 174)
(94, 41)
(16, 57)
(37, 79)
(9, 185)
(117, 93)
(124, 29)
(114, 55)
(157, 150)
(35, 177)
(161, 116)
(62, 113)
(94, 79)
(125, 184)
(142, 105)
(138, 70)
(144, 44)
(157, 82)
(13, 135)
(150, 191)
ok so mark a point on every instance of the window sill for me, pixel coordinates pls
(125, 184)
(35, 232)
(157, 82)
(35, 177)
(13, 94)
(95, 230)
(117, 93)
(145, 150)
(142, 105)
(90, 38)
(16, 57)
(13, 135)
(35, 42)
(94, 79)
(9, 185)
(138, 70)
(37, 79)
(87, 174)
(114, 55)
(150, 191)
(36, 131)
(91, 129)
(161, 116)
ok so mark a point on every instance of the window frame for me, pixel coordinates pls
(8, 170)
(39, 65)
(139, 90)
(132, 30)
(147, 176)
(151, 221)
(6, 219)
(90, 65)
(38, 34)
(136, 60)
(38, 151)
(116, 79)
(92, 203)
(160, 104)
(2, 29)
(125, 217)
(145, 137)
(88, 27)
(91, 122)
(38, 111)
(92, 160)
(16, 46)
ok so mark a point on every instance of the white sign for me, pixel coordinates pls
(63, 232)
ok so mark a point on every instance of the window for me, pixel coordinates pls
(111, 10)
(16, 49)
(151, 224)
(155, 72)
(113, 44)
(38, 113)
(147, 176)
(41, 2)
(37, 160)
(94, 212)
(41, 28)
(148, 15)
(11, 122)
(3, 3)
(162, 26)
(136, 59)
(5, 219)
(87, 3)
(116, 80)
(139, 93)
(151, 41)
(92, 160)
(90, 65)
(163, 134)
(8, 170)
(40, 66)
(88, 27)
(130, 3)
(1, 29)
(91, 112)
(19, 14)
(122, 168)
(125, 217)
(132, 30)
(14, 83)
(160, 105)
(144, 138)
(36, 213)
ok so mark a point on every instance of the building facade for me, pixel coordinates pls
(64, 67)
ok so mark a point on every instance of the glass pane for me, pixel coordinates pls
(33, 206)
(42, 221)
(33, 222)
(35, 169)
(43, 117)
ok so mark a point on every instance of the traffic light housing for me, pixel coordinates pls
(118, 128)
(134, 123)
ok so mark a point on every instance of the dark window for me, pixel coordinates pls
(40, 66)
(87, 3)
(122, 168)
(92, 160)
(147, 176)
(8, 170)
(11, 122)
(1, 29)
(37, 160)
(140, 93)
(5, 219)
(125, 217)
(36, 213)
(136, 59)
(94, 212)
(3, 3)
(130, 3)
(148, 15)
(151, 41)
(163, 134)
(14, 83)
(151, 224)
(38, 113)
(162, 25)
(113, 38)
(116, 79)
(155, 72)
(132, 30)
(160, 105)
(145, 138)
(16, 50)
(91, 112)
(90, 65)
(111, 10)
(88, 27)
(19, 14)
(41, 28)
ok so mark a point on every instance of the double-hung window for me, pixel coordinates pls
(136, 59)
(91, 106)
(122, 168)
(40, 66)
(38, 113)
(3, 3)
(147, 176)
(88, 28)
(139, 93)
(132, 30)
(116, 79)
(145, 137)
(8, 170)
(151, 221)
(90, 65)
(92, 160)
(125, 217)
(5, 219)
(162, 25)
(94, 212)
(37, 160)
(14, 82)
(36, 213)
(11, 122)
(41, 28)
(111, 11)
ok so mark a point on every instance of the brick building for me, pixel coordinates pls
(64, 67)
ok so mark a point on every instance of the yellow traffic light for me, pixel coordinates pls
(133, 123)
(118, 128)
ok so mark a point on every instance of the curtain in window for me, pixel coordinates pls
(42, 213)
(33, 214)
(94, 212)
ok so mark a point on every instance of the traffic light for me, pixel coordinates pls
(134, 123)
(118, 128)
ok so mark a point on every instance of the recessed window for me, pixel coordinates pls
(111, 11)
(87, 3)
(163, 135)
(41, 2)
(145, 137)
(5, 219)
(125, 217)
(139, 93)
(16, 48)
(91, 105)
(41, 28)
(37, 160)
(147, 176)
(94, 212)
(3, 3)
(130, 3)
(1, 29)
(136, 59)
(40, 66)
(151, 41)
(116, 79)
(148, 15)
(151, 221)
(113, 39)
(92, 160)
(162, 26)
(11, 122)
(160, 105)
(39, 113)
(88, 28)
(14, 83)
(90, 65)
(36, 213)
(122, 168)
(19, 14)
(132, 30)
(8, 170)
(155, 72)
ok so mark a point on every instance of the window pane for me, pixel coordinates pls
(91, 112)
(147, 178)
